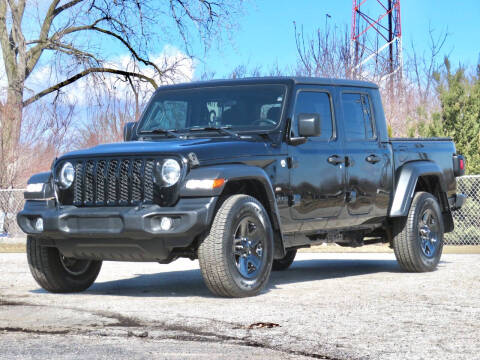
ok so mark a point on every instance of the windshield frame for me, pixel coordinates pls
(286, 88)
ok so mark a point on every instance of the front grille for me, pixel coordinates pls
(113, 182)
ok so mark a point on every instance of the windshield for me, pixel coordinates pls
(241, 107)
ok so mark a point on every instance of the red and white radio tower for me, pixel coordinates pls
(376, 38)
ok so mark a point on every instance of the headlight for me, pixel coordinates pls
(66, 175)
(170, 172)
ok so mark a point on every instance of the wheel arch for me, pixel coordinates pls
(240, 179)
(418, 176)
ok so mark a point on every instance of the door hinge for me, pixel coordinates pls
(347, 161)
(290, 162)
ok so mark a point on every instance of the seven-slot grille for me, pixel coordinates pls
(113, 182)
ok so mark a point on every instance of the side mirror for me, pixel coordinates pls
(308, 125)
(128, 130)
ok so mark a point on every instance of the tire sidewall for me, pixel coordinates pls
(427, 201)
(88, 276)
(49, 272)
(247, 207)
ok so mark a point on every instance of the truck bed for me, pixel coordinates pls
(438, 150)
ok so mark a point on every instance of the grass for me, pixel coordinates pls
(12, 248)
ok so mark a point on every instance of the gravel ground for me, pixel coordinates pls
(327, 306)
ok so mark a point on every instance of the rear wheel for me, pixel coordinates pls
(236, 257)
(418, 240)
(57, 273)
(285, 262)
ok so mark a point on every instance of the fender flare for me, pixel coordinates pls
(47, 190)
(236, 172)
(406, 181)
(43, 177)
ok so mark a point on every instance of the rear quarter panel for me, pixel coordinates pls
(437, 150)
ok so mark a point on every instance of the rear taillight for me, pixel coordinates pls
(458, 165)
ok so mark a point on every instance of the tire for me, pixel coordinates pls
(236, 257)
(57, 274)
(418, 239)
(285, 262)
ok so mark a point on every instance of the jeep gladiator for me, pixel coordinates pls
(239, 174)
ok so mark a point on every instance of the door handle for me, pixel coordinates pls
(335, 160)
(372, 159)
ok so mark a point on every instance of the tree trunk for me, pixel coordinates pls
(11, 121)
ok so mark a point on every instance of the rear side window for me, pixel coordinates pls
(357, 116)
(315, 102)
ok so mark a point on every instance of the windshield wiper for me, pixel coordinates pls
(221, 129)
(161, 131)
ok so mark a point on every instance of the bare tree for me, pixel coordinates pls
(71, 33)
(45, 135)
(413, 98)
(106, 126)
(325, 54)
(424, 66)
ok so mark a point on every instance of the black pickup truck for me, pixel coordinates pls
(240, 174)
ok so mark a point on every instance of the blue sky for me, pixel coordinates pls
(266, 34)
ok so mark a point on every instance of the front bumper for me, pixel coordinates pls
(118, 233)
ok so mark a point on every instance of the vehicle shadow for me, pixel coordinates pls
(190, 283)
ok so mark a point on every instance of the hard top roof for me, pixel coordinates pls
(274, 79)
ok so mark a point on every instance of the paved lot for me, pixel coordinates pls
(332, 306)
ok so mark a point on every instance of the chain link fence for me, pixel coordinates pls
(467, 219)
(11, 202)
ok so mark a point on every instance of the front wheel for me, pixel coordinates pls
(57, 273)
(418, 242)
(236, 257)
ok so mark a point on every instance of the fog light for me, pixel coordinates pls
(166, 223)
(39, 224)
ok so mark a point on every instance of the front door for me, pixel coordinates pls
(317, 174)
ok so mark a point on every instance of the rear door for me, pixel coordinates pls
(367, 158)
(317, 174)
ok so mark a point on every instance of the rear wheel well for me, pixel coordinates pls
(431, 184)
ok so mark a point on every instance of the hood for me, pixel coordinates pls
(205, 149)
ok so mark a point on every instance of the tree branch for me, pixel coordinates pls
(129, 47)
(71, 50)
(66, 6)
(33, 55)
(17, 40)
(83, 74)
(7, 50)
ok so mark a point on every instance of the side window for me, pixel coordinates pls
(315, 102)
(357, 116)
(167, 115)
